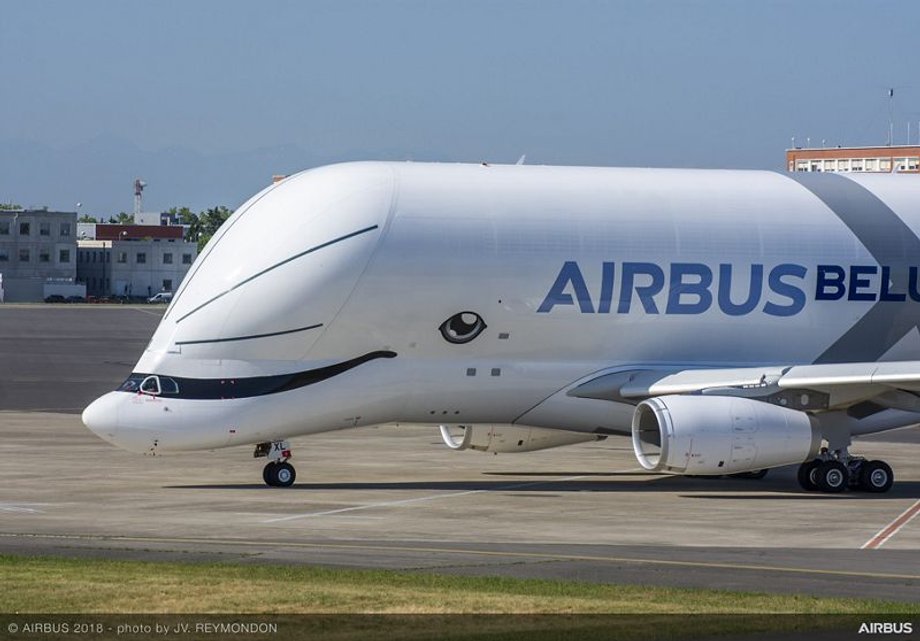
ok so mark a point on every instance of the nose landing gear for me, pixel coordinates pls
(277, 472)
(836, 471)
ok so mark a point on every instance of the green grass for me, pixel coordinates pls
(56, 585)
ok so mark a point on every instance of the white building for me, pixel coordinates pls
(133, 260)
(36, 247)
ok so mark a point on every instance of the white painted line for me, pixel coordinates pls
(892, 528)
(421, 499)
(145, 311)
(21, 508)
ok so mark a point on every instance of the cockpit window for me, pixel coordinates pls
(151, 385)
(132, 384)
(228, 388)
(168, 386)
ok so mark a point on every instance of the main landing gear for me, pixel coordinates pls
(277, 472)
(836, 471)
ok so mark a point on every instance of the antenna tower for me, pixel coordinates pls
(138, 191)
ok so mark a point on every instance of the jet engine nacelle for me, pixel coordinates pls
(719, 435)
(510, 438)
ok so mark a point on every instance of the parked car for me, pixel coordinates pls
(75, 299)
(55, 298)
(162, 297)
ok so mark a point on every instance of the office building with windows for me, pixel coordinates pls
(132, 260)
(36, 247)
(885, 159)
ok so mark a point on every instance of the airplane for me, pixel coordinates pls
(728, 321)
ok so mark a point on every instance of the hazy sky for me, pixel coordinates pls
(207, 99)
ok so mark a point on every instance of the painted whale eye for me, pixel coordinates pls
(462, 327)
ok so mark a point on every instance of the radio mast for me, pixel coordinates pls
(138, 190)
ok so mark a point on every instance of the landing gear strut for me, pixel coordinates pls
(277, 472)
(836, 471)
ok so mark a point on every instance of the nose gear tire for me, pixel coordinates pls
(279, 474)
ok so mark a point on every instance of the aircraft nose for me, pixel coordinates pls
(101, 416)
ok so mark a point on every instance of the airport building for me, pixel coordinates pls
(883, 159)
(156, 218)
(38, 254)
(132, 260)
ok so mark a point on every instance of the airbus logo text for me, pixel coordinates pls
(693, 288)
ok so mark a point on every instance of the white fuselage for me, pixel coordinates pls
(574, 271)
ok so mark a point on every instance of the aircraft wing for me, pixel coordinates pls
(805, 387)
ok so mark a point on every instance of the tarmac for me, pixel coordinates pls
(396, 498)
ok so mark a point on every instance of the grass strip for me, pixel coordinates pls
(64, 585)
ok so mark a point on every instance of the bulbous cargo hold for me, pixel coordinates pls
(276, 274)
(539, 306)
